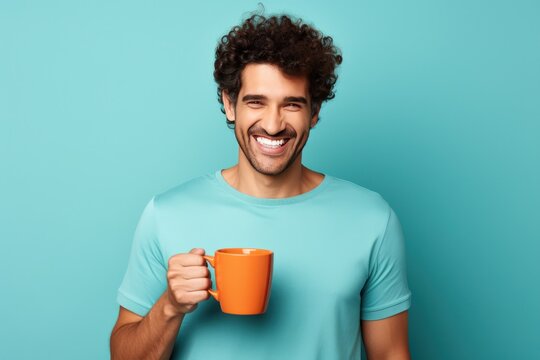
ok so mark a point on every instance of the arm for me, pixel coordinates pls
(153, 336)
(386, 339)
(149, 337)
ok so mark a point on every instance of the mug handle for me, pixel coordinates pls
(210, 259)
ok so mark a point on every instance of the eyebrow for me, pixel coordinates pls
(297, 99)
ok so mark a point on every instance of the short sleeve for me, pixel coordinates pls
(386, 291)
(145, 278)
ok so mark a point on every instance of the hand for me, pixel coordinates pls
(188, 280)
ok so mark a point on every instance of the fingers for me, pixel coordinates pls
(193, 258)
(193, 297)
(192, 285)
(185, 274)
(194, 272)
(198, 296)
(197, 251)
(188, 280)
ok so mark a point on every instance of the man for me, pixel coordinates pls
(339, 266)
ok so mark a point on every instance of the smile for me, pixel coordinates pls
(271, 144)
(271, 147)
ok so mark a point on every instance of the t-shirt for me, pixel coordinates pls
(339, 257)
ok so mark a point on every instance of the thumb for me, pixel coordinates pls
(197, 251)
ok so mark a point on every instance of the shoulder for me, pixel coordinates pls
(368, 208)
(351, 192)
(193, 190)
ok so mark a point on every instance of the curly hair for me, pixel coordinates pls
(296, 48)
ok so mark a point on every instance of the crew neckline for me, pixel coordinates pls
(270, 201)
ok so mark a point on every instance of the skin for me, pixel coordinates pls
(264, 107)
(273, 105)
(387, 339)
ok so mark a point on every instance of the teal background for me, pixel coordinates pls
(105, 103)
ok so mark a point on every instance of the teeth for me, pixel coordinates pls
(268, 142)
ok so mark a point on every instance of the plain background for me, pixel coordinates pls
(105, 103)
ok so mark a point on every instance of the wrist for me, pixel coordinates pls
(170, 311)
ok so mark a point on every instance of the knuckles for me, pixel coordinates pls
(187, 273)
(186, 260)
(171, 275)
(184, 300)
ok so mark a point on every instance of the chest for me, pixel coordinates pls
(320, 254)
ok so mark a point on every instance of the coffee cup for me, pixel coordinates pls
(243, 279)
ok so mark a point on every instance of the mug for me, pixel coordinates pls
(243, 279)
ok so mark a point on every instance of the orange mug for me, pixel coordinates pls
(243, 279)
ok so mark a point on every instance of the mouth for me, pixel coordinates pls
(271, 146)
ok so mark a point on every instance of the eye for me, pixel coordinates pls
(254, 103)
(294, 106)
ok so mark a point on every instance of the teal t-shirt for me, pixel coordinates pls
(339, 258)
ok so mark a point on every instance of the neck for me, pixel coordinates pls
(295, 180)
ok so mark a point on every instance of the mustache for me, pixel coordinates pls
(288, 132)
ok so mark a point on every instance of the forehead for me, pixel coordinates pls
(269, 80)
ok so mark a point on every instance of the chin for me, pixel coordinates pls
(270, 167)
(270, 170)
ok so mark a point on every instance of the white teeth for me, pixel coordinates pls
(270, 143)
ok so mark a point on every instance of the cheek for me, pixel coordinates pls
(248, 118)
(300, 124)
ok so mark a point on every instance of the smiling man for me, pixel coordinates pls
(272, 119)
(339, 258)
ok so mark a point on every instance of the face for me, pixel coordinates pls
(272, 118)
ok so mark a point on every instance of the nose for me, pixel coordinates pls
(273, 121)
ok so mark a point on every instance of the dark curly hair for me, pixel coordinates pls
(296, 48)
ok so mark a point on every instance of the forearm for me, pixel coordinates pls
(401, 356)
(151, 338)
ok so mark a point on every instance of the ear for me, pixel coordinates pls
(315, 117)
(228, 106)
